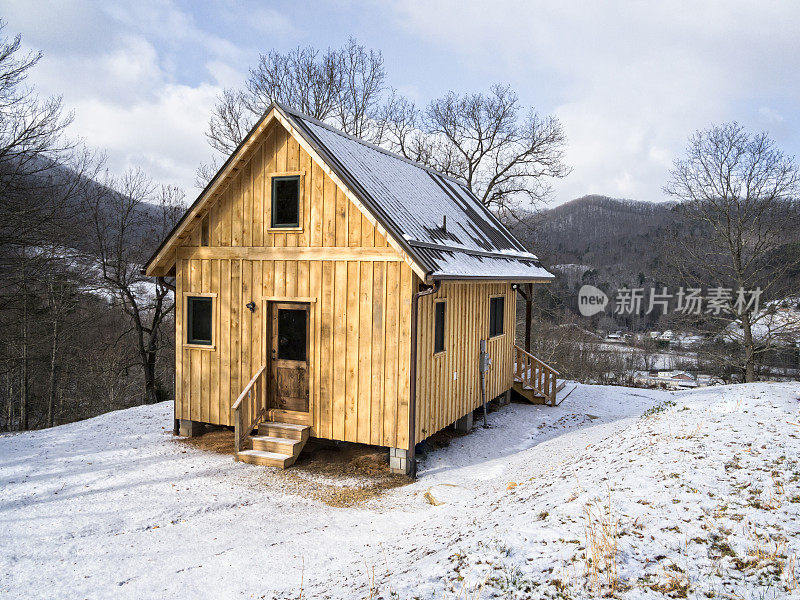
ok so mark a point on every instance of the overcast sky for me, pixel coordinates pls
(629, 80)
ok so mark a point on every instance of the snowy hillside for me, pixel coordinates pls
(643, 494)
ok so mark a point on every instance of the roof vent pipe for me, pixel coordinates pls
(444, 222)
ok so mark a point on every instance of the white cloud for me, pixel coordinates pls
(268, 20)
(116, 66)
(629, 80)
(126, 104)
(163, 135)
(770, 114)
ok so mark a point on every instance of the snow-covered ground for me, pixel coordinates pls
(643, 493)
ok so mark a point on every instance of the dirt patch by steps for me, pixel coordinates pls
(215, 440)
(339, 474)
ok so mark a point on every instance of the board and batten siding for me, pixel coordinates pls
(448, 383)
(361, 289)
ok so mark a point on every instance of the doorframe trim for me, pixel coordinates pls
(292, 416)
(289, 299)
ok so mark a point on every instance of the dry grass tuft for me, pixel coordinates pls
(601, 527)
(674, 582)
(790, 573)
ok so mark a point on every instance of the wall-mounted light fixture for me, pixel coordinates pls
(252, 306)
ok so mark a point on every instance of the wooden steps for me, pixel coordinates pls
(533, 395)
(276, 445)
(284, 430)
(535, 380)
(266, 459)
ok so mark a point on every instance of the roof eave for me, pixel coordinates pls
(516, 278)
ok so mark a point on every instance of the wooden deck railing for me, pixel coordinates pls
(250, 408)
(536, 375)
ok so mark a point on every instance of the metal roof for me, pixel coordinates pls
(437, 219)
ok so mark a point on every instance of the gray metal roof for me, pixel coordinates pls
(437, 220)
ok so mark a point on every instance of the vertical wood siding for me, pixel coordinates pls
(360, 342)
(441, 397)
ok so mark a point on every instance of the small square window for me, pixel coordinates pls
(286, 201)
(199, 320)
(496, 315)
(438, 330)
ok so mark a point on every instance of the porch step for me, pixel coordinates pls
(533, 395)
(284, 430)
(267, 459)
(276, 445)
(529, 394)
(280, 445)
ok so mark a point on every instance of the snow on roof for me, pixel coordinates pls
(444, 227)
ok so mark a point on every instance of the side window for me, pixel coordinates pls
(286, 201)
(199, 320)
(438, 329)
(497, 307)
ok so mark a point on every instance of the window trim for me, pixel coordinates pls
(273, 177)
(185, 321)
(444, 327)
(503, 322)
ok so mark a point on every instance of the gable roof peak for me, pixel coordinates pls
(288, 109)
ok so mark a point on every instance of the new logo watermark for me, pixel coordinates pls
(689, 301)
(591, 300)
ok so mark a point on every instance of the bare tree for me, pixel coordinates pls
(402, 129)
(741, 193)
(341, 86)
(362, 83)
(505, 153)
(66, 351)
(127, 213)
(504, 157)
(31, 140)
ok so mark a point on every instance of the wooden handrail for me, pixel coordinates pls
(536, 374)
(248, 387)
(537, 360)
(250, 408)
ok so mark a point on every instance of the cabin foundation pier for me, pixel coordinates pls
(188, 428)
(464, 424)
(399, 461)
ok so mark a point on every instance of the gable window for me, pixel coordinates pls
(438, 326)
(199, 320)
(497, 306)
(286, 201)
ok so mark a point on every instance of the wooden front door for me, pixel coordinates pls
(289, 350)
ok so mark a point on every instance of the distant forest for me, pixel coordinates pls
(612, 243)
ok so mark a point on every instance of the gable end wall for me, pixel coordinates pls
(360, 348)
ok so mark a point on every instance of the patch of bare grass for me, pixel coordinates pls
(601, 526)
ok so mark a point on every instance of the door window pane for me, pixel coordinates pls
(291, 334)
(199, 320)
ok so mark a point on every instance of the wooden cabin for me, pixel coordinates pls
(326, 287)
